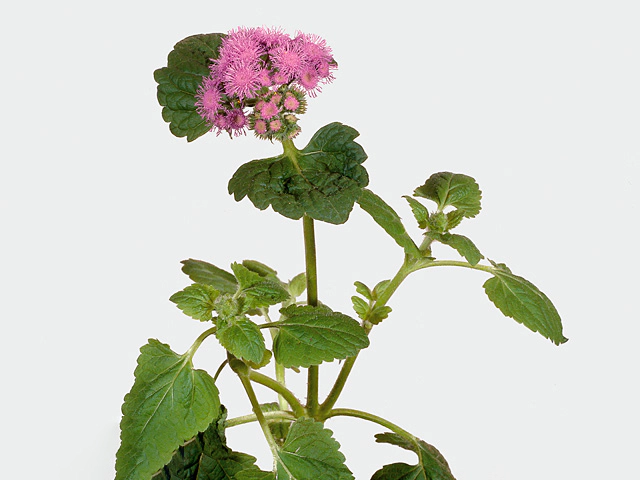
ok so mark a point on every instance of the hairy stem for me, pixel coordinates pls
(312, 299)
(349, 412)
(283, 391)
(269, 416)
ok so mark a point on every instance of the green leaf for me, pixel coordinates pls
(379, 289)
(169, 403)
(242, 338)
(297, 285)
(260, 268)
(207, 457)
(431, 464)
(311, 453)
(455, 189)
(323, 180)
(461, 244)
(203, 272)
(197, 301)
(420, 212)
(454, 217)
(360, 306)
(378, 314)
(363, 290)
(388, 219)
(521, 300)
(178, 83)
(311, 335)
(259, 291)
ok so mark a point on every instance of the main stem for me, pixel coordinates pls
(312, 299)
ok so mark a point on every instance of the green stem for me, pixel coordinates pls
(269, 416)
(255, 404)
(312, 299)
(279, 388)
(194, 347)
(341, 380)
(349, 412)
(454, 263)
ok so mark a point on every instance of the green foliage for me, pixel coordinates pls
(461, 244)
(388, 219)
(169, 403)
(452, 189)
(363, 290)
(178, 83)
(259, 291)
(297, 285)
(521, 300)
(312, 335)
(310, 452)
(197, 301)
(203, 272)
(419, 211)
(242, 338)
(431, 464)
(260, 268)
(323, 180)
(360, 306)
(207, 457)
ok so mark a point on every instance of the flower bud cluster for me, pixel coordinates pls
(268, 70)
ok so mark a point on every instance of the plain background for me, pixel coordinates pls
(538, 101)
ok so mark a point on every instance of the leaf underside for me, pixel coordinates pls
(452, 189)
(323, 181)
(207, 274)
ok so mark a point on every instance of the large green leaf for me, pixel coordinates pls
(311, 335)
(178, 83)
(431, 464)
(207, 457)
(242, 338)
(311, 453)
(388, 219)
(203, 272)
(169, 403)
(455, 189)
(521, 300)
(197, 301)
(461, 244)
(323, 180)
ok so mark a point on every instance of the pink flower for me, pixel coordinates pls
(275, 125)
(289, 59)
(291, 103)
(241, 80)
(260, 127)
(269, 110)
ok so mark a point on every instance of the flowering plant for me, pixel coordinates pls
(173, 424)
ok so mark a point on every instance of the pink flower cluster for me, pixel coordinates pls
(268, 70)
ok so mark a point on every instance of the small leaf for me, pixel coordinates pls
(360, 306)
(461, 244)
(388, 219)
(454, 217)
(431, 464)
(242, 338)
(169, 403)
(378, 314)
(197, 301)
(297, 285)
(323, 180)
(260, 268)
(178, 83)
(521, 300)
(207, 457)
(258, 291)
(379, 289)
(203, 272)
(266, 358)
(311, 335)
(310, 452)
(420, 212)
(363, 290)
(455, 189)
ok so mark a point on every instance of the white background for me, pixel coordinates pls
(538, 101)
